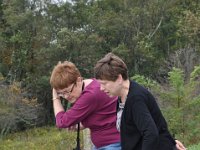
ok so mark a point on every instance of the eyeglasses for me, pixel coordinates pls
(66, 93)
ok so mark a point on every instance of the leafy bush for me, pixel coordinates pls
(22, 112)
(146, 82)
(182, 113)
(3, 70)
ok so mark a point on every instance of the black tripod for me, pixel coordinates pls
(78, 139)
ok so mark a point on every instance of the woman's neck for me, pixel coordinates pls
(125, 90)
(87, 82)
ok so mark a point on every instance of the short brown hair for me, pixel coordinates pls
(109, 67)
(63, 75)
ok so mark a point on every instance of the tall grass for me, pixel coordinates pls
(45, 138)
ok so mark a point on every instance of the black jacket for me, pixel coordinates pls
(143, 126)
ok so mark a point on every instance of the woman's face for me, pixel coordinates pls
(71, 93)
(111, 88)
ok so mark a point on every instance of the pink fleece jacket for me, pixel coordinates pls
(96, 111)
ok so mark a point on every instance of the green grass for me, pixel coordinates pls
(46, 138)
(194, 147)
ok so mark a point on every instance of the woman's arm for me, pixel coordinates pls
(57, 106)
(145, 124)
(81, 109)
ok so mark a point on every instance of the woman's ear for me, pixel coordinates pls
(79, 83)
(79, 79)
(120, 79)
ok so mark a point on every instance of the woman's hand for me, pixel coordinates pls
(57, 106)
(54, 94)
(75, 127)
(179, 145)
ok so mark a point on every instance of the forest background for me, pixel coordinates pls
(158, 39)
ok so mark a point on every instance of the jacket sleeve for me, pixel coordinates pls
(145, 124)
(83, 107)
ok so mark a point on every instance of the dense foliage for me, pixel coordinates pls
(154, 38)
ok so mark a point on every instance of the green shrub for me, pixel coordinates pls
(146, 82)
(3, 70)
(17, 112)
(182, 106)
